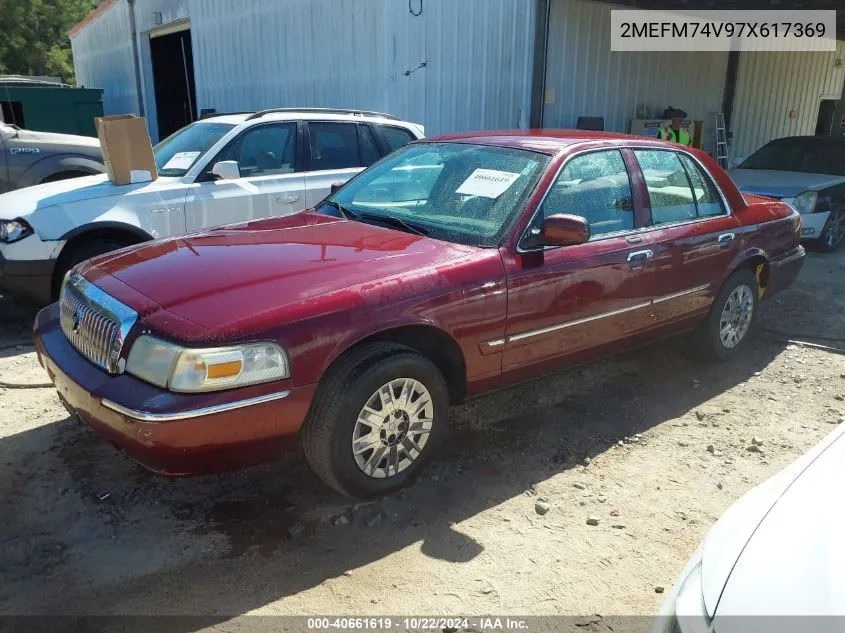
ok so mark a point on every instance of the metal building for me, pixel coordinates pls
(448, 64)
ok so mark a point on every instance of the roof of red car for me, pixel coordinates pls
(547, 141)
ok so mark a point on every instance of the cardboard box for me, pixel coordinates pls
(127, 150)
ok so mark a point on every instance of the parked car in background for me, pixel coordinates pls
(807, 172)
(219, 170)
(775, 554)
(31, 158)
(454, 266)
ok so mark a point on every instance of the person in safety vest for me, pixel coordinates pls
(672, 131)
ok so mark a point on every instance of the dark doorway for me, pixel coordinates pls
(173, 81)
(824, 124)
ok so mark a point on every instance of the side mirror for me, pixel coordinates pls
(226, 170)
(335, 187)
(564, 230)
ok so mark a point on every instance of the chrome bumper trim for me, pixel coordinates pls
(798, 254)
(145, 416)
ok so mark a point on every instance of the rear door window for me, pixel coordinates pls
(334, 146)
(396, 137)
(707, 199)
(670, 192)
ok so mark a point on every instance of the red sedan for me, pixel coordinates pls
(455, 266)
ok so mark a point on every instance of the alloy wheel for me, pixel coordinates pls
(835, 232)
(736, 316)
(392, 428)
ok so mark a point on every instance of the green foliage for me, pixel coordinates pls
(34, 38)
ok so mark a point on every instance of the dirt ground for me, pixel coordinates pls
(625, 440)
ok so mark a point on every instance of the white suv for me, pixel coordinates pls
(218, 170)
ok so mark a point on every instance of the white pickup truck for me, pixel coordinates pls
(218, 170)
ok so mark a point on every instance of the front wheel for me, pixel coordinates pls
(376, 419)
(834, 232)
(731, 318)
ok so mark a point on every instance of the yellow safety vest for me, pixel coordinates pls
(668, 134)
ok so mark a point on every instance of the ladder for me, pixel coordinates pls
(720, 147)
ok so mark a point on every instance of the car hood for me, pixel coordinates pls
(778, 550)
(54, 138)
(278, 270)
(781, 184)
(24, 202)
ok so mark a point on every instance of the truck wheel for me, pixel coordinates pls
(731, 318)
(376, 419)
(79, 253)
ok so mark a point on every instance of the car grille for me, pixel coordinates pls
(94, 322)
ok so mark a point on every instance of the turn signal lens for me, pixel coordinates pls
(189, 370)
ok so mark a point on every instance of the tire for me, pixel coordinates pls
(333, 420)
(79, 253)
(708, 339)
(833, 234)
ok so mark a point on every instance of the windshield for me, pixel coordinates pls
(176, 154)
(809, 156)
(455, 192)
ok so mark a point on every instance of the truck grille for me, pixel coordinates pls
(94, 322)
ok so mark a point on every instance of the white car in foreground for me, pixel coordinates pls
(807, 172)
(219, 170)
(778, 551)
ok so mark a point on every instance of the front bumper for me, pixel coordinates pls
(170, 433)
(784, 270)
(33, 278)
(812, 225)
(27, 266)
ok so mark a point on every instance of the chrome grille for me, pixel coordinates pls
(94, 322)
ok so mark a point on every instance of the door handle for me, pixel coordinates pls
(637, 259)
(726, 239)
(287, 199)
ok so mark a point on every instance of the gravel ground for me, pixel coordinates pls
(649, 446)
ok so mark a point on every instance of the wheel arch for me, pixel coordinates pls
(119, 231)
(757, 261)
(58, 163)
(426, 338)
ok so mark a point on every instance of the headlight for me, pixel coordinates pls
(805, 202)
(186, 369)
(14, 230)
(690, 611)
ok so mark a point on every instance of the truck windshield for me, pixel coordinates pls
(176, 154)
(456, 192)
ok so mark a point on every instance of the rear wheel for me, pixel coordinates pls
(731, 319)
(376, 419)
(834, 231)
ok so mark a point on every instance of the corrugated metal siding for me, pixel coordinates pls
(266, 53)
(771, 85)
(585, 78)
(102, 57)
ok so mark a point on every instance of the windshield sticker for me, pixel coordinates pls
(489, 183)
(181, 160)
